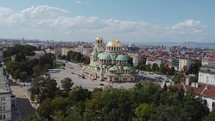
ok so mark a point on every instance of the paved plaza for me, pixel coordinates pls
(72, 70)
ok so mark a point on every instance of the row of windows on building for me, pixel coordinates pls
(118, 62)
(119, 71)
(2, 108)
(2, 98)
(122, 79)
(2, 116)
(113, 48)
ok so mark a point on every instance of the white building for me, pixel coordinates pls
(205, 87)
(1, 54)
(5, 98)
(207, 74)
(151, 61)
(184, 63)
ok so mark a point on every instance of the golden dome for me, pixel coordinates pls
(114, 43)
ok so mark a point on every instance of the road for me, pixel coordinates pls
(22, 101)
(72, 69)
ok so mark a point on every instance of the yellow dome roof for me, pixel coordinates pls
(114, 43)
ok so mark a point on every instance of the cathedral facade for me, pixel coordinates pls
(109, 63)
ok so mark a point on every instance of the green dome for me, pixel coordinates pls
(104, 56)
(122, 57)
(94, 53)
(100, 54)
(112, 68)
(126, 68)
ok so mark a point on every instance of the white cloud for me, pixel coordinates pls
(186, 24)
(5, 11)
(4, 14)
(189, 26)
(78, 1)
(46, 22)
(36, 13)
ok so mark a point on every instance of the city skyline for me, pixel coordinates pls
(128, 21)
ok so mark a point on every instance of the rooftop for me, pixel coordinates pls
(4, 86)
(210, 68)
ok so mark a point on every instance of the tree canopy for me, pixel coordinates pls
(144, 102)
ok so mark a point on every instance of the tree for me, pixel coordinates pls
(210, 117)
(23, 75)
(155, 67)
(178, 78)
(45, 109)
(148, 67)
(47, 59)
(59, 104)
(144, 112)
(142, 67)
(86, 60)
(35, 87)
(165, 87)
(78, 57)
(169, 113)
(37, 70)
(15, 73)
(20, 57)
(130, 60)
(67, 83)
(78, 94)
(194, 78)
(171, 71)
(194, 69)
(48, 89)
(163, 68)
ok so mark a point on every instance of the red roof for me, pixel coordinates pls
(209, 59)
(203, 89)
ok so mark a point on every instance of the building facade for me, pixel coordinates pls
(5, 98)
(109, 63)
(184, 64)
(65, 50)
(205, 87)
(1, 54)
(207, 74)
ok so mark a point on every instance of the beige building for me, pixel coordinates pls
(136, 58)
(85, 50)
(65, 50)
(109, 63)
(184, 64)
(50, 50)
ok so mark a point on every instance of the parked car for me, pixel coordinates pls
(101, 84)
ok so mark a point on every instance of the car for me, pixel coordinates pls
(101, 84)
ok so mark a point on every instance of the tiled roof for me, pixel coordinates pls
(203, 89)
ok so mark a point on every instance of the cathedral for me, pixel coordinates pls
(109, 63)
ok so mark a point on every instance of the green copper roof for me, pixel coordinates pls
(104, 56)
(126, 68)
(122, 57)
(112, 68)
(94, 53)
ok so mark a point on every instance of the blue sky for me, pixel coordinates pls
(126, 20)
